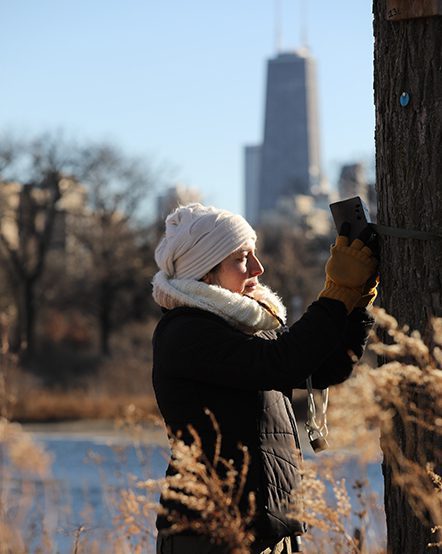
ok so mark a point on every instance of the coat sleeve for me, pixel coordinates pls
(207, 349)
(338, 366)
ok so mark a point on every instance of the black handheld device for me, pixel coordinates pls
(353, 210)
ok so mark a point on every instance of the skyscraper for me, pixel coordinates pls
(290, 152)
(252, 167)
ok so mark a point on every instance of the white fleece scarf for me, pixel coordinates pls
(263, 312)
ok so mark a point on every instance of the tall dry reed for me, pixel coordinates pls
(407, 386)
(197, 486)
(405, 391)
(22, 461)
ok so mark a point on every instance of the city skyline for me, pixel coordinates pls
(288, 161)
(182, 84)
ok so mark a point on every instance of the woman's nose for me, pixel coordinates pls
(256, 267)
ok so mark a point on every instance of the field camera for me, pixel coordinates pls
(353, 210)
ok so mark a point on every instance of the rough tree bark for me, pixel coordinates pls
(408, 58)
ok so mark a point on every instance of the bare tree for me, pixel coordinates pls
(36, 169)
(408, 93)
(35, 177)
(111, 233)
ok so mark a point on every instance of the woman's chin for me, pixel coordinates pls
(249, 290)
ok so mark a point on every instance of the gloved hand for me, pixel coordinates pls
(348, 269)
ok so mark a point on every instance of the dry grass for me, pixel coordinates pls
(22, 461)
(405, 391)
(327, 509)
(197, 486)
(120, 381)
(45, 405)
(407, 387)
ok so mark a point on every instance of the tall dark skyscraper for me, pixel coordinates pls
(290, 154)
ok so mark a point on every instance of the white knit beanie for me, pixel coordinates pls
(197, 238)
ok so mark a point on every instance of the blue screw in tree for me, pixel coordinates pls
(404, 99)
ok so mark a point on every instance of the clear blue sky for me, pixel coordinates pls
(182, 81)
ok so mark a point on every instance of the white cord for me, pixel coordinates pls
(312, 426)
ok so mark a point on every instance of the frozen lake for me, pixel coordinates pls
(90, 468)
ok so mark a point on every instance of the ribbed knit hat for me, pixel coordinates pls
(197, 238)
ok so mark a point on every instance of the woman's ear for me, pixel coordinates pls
(210, 278)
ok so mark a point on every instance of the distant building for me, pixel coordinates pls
(175, 196)
(9, 205)
(353, 182)
(252, 166)
(300, 211)
(289, 157)
(23, 210)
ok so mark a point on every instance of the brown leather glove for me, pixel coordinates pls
(348, 269)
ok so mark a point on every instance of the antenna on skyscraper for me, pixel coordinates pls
(303, 23)
(278, 25)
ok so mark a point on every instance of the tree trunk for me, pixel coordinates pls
(408, 59)
(29, 305)
(105, 318)
(24, 334)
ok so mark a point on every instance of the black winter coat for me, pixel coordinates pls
(200, 361)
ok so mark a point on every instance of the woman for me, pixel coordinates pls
(219, 346)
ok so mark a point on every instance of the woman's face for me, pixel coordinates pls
(238, 272)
